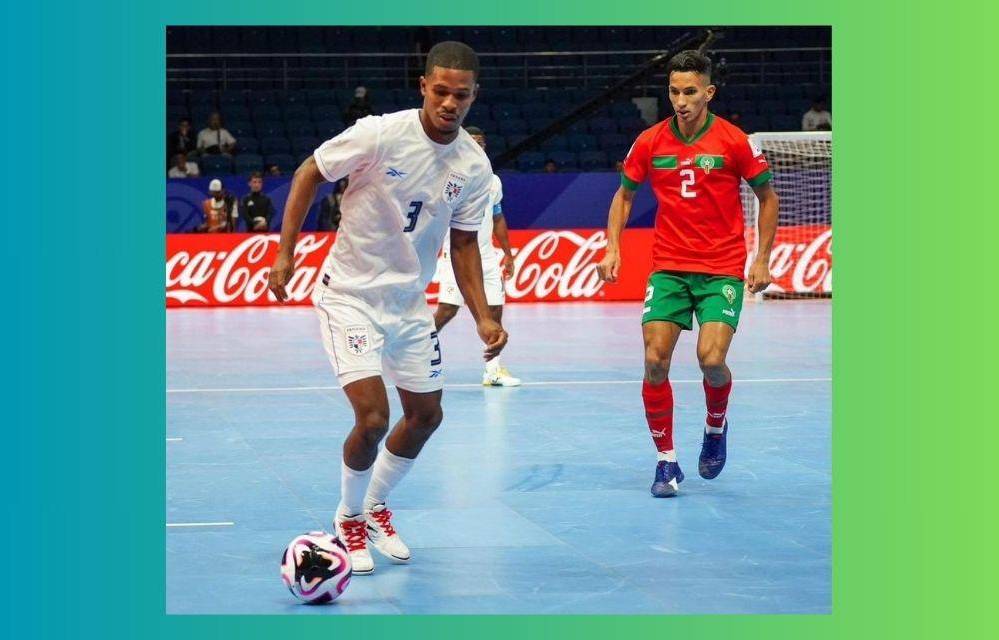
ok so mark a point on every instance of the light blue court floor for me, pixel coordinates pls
(526, 500)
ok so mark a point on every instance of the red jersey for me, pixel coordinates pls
(699, 221)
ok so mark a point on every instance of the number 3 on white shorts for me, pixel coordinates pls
(688, 181)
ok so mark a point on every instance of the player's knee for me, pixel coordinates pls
(711, 359)
(426, 421)
(373, 424)
(657, 363)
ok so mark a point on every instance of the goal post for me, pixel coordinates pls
(801, 260)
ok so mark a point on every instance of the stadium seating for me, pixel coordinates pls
(247, 163)
(215, 165)
(278, 106)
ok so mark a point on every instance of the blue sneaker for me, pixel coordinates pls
(712, 459)
(668, 476)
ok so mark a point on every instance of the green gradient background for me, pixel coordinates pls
(915, 502)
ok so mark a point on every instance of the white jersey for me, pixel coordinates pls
(493, 208)
(405, 192)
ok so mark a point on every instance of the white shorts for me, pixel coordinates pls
(394, 337)
(492, 278)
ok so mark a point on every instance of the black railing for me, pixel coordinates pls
(583, 69)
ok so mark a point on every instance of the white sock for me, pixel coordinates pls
(714, 430)
(353, 485)
(492, 366)
(387, 471)
(668, 456)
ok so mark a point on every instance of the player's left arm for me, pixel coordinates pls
(759, 272)
(753, 167)
(500, 232)
(467, 264)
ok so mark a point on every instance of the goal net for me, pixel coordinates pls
(801, 260)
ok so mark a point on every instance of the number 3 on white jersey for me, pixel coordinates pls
(688, 181)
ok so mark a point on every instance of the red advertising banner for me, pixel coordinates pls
(801, 260)
(553, 265)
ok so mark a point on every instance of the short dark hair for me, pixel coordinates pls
(452, 55)
(690, 60)
(475, 131)
(256, 174)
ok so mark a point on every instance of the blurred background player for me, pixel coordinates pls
(695, 162)
(449, 300)
(413, 175)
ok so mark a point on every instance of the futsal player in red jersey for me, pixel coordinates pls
(695, 163)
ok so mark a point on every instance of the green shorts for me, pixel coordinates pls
(673, 297)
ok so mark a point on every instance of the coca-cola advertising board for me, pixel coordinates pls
(209, 270)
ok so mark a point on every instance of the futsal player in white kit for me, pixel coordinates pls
(449, 299)
(414, 175)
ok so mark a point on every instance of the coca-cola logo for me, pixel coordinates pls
(541, 271)
(802, 267)
(239, 275)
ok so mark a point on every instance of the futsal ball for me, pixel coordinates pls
(316, 567)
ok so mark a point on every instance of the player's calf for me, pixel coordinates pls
(413, 431)
(444, 314)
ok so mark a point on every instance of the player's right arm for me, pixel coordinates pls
(617, 219)
(351, 151)
(636, 167)
(303, 191)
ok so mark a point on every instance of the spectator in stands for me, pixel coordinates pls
(182, 168)
(720, 73)
(219, 209)
(181, 141)
(551, 166)
(256, 208)
(215, 139)
(329, 208)
(359, 107)
(736, 118)
(273, 170)
(816, 116)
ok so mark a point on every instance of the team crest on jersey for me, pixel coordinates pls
(358, 341)
(707, 163)
(729, 292)
(454, 186)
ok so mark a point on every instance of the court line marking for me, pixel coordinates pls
(174, 439)
(472, 385)
(200, 524)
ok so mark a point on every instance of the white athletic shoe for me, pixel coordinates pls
(351, 531)
(499, 378)
(383, 536)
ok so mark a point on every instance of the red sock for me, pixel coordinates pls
(659, 413)
(717, 401)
